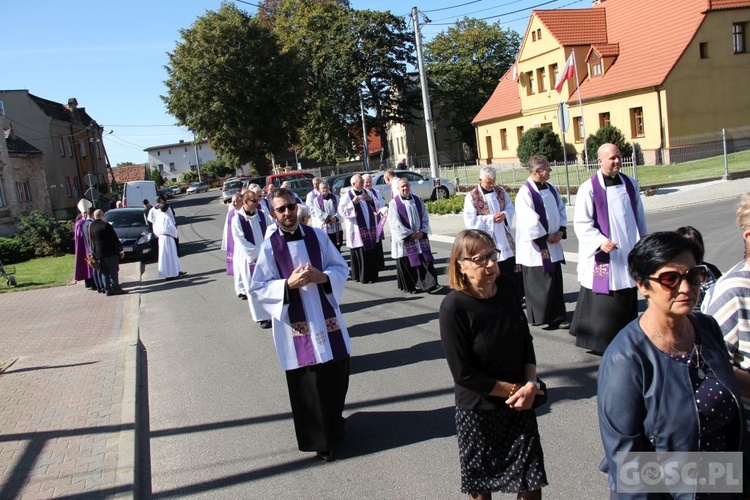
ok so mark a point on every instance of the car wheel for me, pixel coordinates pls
(440, 193)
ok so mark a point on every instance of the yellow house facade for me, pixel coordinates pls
(658, 71)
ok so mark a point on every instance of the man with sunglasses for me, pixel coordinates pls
(609, 220)
(299, 280)
(248, 229)
(541, 225)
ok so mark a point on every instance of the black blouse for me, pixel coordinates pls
(485, 340)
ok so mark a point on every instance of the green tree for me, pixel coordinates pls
(125, 163)
(608, 133)
(157, 177)
(217, 168)
(540, 141)
(464, 65)
(358, 51)
(229, 81)
(188, 177)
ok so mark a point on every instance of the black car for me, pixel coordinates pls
(336, 182)
(131, 228)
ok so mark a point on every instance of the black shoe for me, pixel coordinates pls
(435, 289)
(559, 325)
(242, 296)
(182, 273)
(265, 324)
(326, 456)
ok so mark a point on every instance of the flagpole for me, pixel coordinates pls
(580, 107)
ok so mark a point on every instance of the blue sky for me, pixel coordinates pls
(110, 55)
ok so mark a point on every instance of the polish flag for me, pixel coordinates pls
(515, 72)
(567, 72)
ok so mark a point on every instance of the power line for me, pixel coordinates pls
(452, 6)
(476, 11)
(504, 14)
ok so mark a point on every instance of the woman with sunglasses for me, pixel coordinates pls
(665, 382)
(490, 354)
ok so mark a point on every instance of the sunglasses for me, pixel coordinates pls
(283, 208)
(251, 201)
(481, 260)
(695, 276)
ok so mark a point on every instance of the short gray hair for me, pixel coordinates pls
(487, 171)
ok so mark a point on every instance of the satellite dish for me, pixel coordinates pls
(84, 205)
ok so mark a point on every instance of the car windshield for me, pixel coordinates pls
(233, 185)
(130, 218)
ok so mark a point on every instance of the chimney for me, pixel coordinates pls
(72, 104)
(597, 2)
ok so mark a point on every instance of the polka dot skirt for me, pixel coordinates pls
(499, 450)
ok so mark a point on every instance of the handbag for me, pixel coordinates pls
(91, 261)
(540, 399)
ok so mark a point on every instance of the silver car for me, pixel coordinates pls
(197, 187)
(229, 188)
(424, 187)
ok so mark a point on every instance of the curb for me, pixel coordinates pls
(127, 459)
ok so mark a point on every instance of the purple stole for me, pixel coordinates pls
(477, 199)
(322, 202)
(536, 198)
(301, 335)
(381, 220)
(410, 245)
(601, 222)
(247, 230)
(230, 243)
(367, 233)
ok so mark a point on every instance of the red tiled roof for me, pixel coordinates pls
(727, 4)
(505, 100)
(649, 48)
(575, 26)
(606, 49)
(129, 173)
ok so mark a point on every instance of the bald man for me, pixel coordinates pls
(609, 220)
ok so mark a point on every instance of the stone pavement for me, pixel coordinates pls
(67, 392)
(68, 376)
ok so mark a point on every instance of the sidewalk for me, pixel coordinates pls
(67, 391)
(445, 227)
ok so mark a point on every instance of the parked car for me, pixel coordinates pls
(197, 187)
(422, 186)
(260, 181)
(131, 228)
(230, 187)
(166, 193)
(339, 181)
(275, 180)
(302, 187)
(175, 189)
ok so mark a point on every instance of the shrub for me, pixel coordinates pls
(45, 236)
(13, 250)
(452, 205)
(540, 141)
(612, 134)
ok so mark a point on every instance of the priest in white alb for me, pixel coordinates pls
(299, 280)
(609, 220)
(541, 225)
(488, 207)
(166, 232)
(227, 245)
(248, 229)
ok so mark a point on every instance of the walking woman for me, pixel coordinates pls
(665, 382)
(491, 356)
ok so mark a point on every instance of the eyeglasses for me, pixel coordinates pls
(695, 276)
(283, 208)
(251, 201)
(481, 260)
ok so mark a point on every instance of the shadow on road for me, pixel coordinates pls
(426, 351)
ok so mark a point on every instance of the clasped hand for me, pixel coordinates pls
(304, 275)
(523, 398)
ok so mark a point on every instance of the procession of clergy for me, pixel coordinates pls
(532, 256)
(285, 259)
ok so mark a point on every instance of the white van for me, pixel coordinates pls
(136, 191)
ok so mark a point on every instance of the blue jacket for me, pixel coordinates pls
(646, 400)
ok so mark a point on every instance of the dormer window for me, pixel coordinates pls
(596, 69)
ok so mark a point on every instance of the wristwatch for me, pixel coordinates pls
(536, 384)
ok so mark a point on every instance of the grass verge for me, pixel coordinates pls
(44, 272)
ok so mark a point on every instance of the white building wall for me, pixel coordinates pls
(175, 159)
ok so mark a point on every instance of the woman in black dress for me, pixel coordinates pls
(491, 355)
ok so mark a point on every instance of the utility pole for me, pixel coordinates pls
(366, 150)
(425, 97)
(197, 160)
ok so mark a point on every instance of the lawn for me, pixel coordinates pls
(40, 273)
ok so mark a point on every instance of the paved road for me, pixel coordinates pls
(217, 421)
